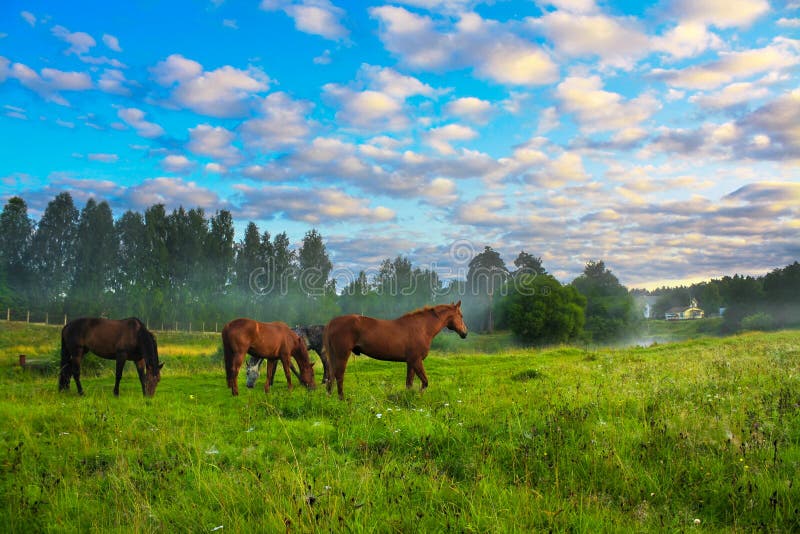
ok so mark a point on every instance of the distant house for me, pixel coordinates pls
(681, 313)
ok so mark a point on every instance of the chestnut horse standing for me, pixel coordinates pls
(124, 340)
(405, 339)
(273, 341)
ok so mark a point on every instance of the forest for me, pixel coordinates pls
(186, 267)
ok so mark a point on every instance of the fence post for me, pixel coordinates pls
(215, 327)
(28, 319)
(65, 319)
(190, 327)
(204, 327)
(46, 317)
(176, 326)
(8, 314)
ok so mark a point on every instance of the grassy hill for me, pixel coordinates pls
(702, 434)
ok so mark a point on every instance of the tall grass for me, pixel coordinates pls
(702, 434)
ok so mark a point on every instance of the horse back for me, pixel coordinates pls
(104, 337)
(265, 340)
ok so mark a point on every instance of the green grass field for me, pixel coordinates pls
(697, 435)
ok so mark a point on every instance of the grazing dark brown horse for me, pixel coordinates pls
(123, 340)
(312, 336)
(272, 341)
(405, 339)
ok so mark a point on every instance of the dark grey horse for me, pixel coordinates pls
(312, 336)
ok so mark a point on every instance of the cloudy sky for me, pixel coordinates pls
(663, 137)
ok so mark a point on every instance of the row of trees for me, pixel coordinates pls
(185, 266)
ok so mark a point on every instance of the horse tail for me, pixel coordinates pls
(63, 376)
(227, 352)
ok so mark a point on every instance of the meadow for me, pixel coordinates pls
(701, 434)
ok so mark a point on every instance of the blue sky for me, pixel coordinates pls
(663, 138)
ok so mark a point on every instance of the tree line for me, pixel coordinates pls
(186, 266)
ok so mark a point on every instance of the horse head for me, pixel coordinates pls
(152, 373)
(306, 373)
(455, 321)
(253, 365)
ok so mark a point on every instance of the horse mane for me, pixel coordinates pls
(424, 309)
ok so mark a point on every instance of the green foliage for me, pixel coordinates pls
(539, 310)
(702, 435)
(611, 312)
(758, 321)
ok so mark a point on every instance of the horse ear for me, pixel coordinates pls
(458, 304)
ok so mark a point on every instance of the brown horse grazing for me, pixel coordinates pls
(273, 341)
(312, 337)
(124, 340)
(405, 339)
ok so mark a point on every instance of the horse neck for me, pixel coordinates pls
(433, 322)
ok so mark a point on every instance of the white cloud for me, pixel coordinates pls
(580, 32)
(782, 54)
(104, 158)
(687, 40)
(172, 192)
(309, 205)
(80, 42)
(598, 110)
(113, 81)
(282, 123)
(29, 17)
(720, 13)
(177, 163)
(111, 42)
(135, 118)
(440, 192)
(48, 83)
(489, 47)
(789, 23)
(441, 138)
(213, 141)
(223, 92)
(735, 94)
(382, 104)
(316, 17)
(470, 108)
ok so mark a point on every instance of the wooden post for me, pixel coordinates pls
(46, 316)
(176, 326)
(28, 318)
(204, 327)
(190, 327)
(8, 315)
(65, 319)
(215, 327)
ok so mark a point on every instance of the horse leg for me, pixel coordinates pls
(76, 369)
(409, 375)
(326, 371)
(140, 370)
(286, 370)
(338, 367)
(233, 375)
(271, 366)
(120, 366)
(420, 370)
(66, 365)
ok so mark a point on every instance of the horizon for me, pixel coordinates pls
(660, 138)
